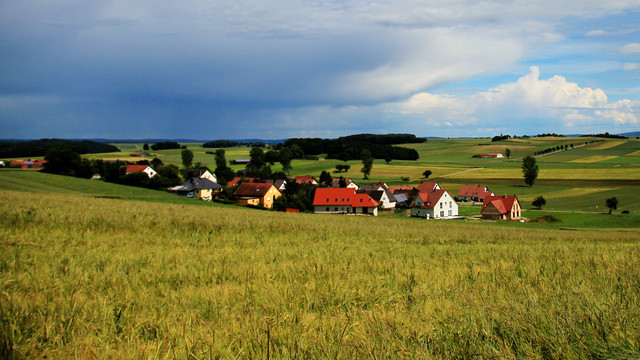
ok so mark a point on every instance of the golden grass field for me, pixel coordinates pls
(95, 278)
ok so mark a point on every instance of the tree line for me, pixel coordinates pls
(30, 148)
(351, 147)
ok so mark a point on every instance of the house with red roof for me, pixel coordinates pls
(132, 169)
(348, 183)
(474, 193)
(305, 180)
(501, 208)
(256, 194)
(436, 204)
(343, 201)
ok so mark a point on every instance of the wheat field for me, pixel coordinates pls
(94, 278)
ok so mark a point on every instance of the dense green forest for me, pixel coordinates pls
(351, 147)
(28, 148)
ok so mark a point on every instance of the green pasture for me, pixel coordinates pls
(42, 183)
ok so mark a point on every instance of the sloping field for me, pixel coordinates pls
(614, 173)
(607, 145)
(97, 278)
(593, 159)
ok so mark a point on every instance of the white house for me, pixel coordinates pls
(437, 204)
(141, 169)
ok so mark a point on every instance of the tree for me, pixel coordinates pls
(507, 153)
(220, 158)
(367, 163)
(145, 146)
(342, 168)
(325, 178)
(187, 158)
(539, 202)
(223, 172)
(427, 173)
(156, 163)
(612, 204)
(285, 159)
(387, 159)
(529, 170)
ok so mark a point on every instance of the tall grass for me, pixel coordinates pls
(101, 278)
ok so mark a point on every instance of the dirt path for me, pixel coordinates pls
(460, 172)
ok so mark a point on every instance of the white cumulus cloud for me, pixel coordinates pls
(552, 102)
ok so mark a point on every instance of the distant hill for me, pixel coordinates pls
(633, 133)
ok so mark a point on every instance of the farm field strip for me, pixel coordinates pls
(593, 159)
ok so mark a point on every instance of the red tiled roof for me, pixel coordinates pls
(427, 186)
(236, 180)
(252, 189)
(304, 179)
(429, 199)
(342, 196)
(479, 191)
(504, 204)
(136, 168)
(395, 188)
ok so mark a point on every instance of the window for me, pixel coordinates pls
(441, 213)
(327, 209)
(449, 212)
(450, 203)
(440, 205)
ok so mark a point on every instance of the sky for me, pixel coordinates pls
(257, 69)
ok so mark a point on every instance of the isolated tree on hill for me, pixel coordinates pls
(529, 170)
(187, 157)
(539, 202)
(367, 163)
(387, 159)
(427, 173)
(612, 204)
(145, 146)
(507, 153)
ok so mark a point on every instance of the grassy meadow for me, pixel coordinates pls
(86, 277)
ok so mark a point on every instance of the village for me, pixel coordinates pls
(343, 196)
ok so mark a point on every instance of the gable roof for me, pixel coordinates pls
(236, 180)
(504, 203)
(429, 199)
(305, 179)
(399, 188)
(253, 189)
(474, 191)
(200, 184)
(428, 186)
(342, 196)
(136, 168)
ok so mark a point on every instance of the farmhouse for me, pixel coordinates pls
(199, 188)
(305, 180)
(256, 194)
(384, 197)
(436, 204)
(474, 193)
(240, 161)
(28, 164)
(501, 208)
(206, 174)
(489, 156)
(348, 183)
(132, 169)
(281, 185)
(343, 201)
